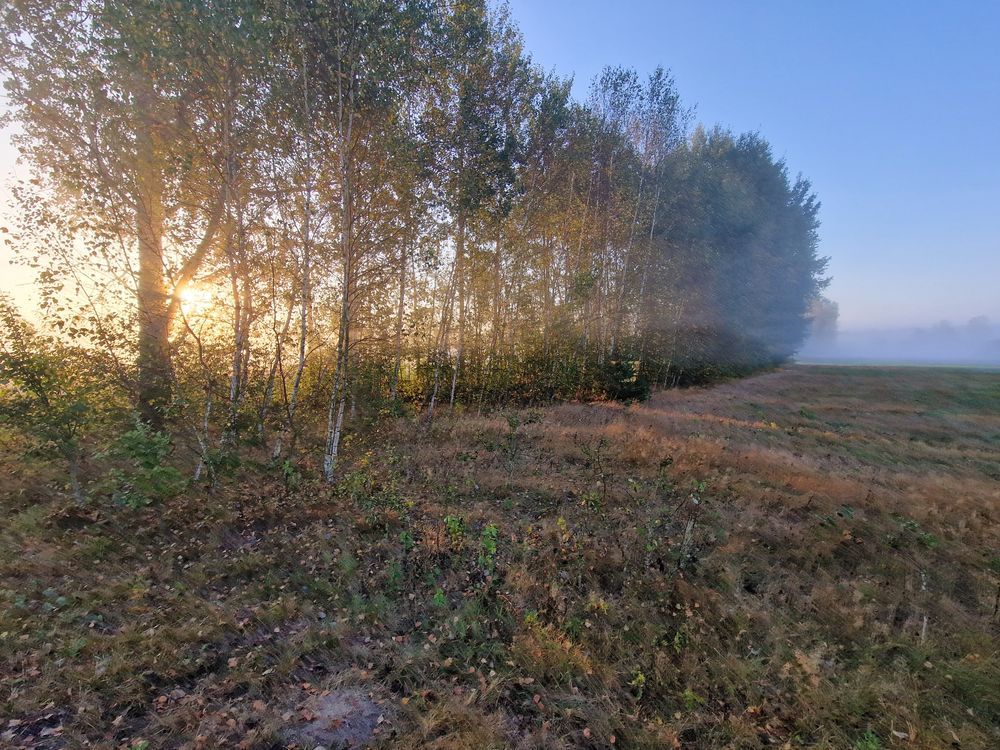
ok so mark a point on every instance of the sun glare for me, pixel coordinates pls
(195, 299)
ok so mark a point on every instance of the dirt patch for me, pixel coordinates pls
(337, 720)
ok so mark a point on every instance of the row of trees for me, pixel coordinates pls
(267, 216)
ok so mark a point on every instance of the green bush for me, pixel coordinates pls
(144, 477)
(47, 393)
(622, 381)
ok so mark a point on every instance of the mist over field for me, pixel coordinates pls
(975, 343)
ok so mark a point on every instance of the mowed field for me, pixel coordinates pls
(806, 558)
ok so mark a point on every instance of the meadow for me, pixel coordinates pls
(805, 558)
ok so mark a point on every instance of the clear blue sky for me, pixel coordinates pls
(892, 109)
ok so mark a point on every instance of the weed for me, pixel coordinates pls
(455, 528)
(141, 476)
(638, 684)
(868, 741)
(592, 500)
(488, 547)
(439, 599)
(99, 547)
(394, 576)
(691, 700)
(594, 453)
(407, 541)
(378, 500)
(511, 445)
(28, 522)
(348, 565)
(290, 475)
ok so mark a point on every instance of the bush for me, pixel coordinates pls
(45, 393)
(144, 478)
(623, 382)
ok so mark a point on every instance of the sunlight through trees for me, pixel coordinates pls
(274, 218)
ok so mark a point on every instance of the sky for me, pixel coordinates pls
(890, 108)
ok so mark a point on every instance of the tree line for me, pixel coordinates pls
(265, 220)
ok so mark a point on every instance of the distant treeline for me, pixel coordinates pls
(266, 215)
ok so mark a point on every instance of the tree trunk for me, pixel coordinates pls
(305, 303)
(394, 385)
(154, 392)
(441, 343)
(460, 268)
(340, 378)
(265, 407)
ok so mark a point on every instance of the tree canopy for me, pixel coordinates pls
(274, 217)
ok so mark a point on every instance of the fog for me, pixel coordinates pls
(974, 343)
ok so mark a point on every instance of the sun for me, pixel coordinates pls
(195, 299)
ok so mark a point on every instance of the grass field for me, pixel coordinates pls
(807, 558)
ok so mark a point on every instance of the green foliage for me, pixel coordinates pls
(141, 475)
(909, 531)
(479, 138)
(638, 683)
(375, 496)
(222, 460)
(47, 392)
(923, 537)
(394, 576)
(489, 540)
(868, 741)
(681, 640)
(407, 541)
(691, 699)
(348, 565)
(591, 499)
(622, 380)
(290, 474)
(455, 527)
(439, 600)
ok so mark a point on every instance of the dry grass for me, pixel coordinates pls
(809, 558)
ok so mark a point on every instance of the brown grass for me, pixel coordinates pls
(809, 558)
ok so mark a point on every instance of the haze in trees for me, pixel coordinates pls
(273, 218)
